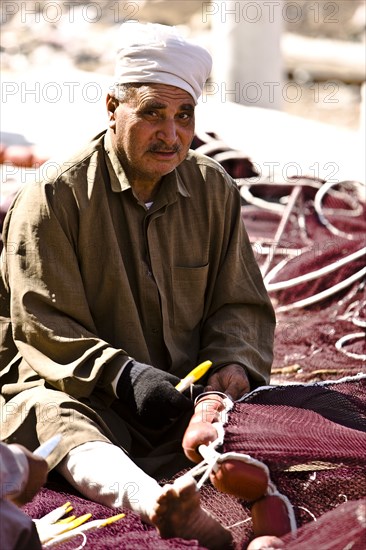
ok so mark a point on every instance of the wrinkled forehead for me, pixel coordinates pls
(160, 96)
(163, 93)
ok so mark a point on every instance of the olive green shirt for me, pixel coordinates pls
(90, 276)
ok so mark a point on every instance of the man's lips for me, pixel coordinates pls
(164, 154)
(164, 151)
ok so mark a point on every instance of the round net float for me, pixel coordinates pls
(240, 478)
(272, 515)
(19, 155)
(2, 153)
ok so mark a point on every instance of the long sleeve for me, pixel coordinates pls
(52, 322)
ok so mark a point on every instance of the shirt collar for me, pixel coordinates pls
(119, 181)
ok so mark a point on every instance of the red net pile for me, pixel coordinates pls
(312, 438)
(341, 528)
(309, 237)
(312, 254)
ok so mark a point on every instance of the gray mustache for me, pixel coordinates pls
(159, 147)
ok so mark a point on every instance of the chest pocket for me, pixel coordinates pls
(189, 287)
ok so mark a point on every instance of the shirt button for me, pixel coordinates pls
(155, 330)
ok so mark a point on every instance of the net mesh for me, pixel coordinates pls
(342, 528)
(312, 438)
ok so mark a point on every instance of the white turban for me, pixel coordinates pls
(154, 53)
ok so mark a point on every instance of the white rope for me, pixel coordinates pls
(282, 225)
(324, 294)
(246, 184)
(355, 336)
(318, 206)
(66, 536)
(233, 455)
(312, 275)
(211, 147)
(307, 511)
(260, 203)
(285, 211)
(230, 155)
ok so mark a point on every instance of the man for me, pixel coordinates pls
(121, 272)
(22, 474)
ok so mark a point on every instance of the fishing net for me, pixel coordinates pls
(312, 437)
(309, 238)
(319, 239)
(309, 426)
(341, 528)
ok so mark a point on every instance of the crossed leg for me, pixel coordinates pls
(175, 510)
(178, 513)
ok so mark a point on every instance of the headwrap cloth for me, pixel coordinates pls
(154, 53)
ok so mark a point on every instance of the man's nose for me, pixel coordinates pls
(167, 132)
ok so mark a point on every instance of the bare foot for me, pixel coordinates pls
(178, 513)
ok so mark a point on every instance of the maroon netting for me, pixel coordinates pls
(311, 239)
(320, 331)
(343, 527)
(312, 438)
(298, 424)
(127, 534)
(305, 342)
(131, 533)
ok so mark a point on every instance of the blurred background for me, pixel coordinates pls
(287, 87)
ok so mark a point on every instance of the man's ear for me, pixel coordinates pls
(112, 104)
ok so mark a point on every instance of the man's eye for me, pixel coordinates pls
(185, 116)
(151, 114)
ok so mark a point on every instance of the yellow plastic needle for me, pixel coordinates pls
(110, 520)
(48, 532)
(90, 525)
(55, 514)
(193, 376)
(66, 520)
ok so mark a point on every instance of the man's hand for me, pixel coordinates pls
(231, 379)
(37, 477)
(150, 394)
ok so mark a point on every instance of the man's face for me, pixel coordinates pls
(152, 131)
